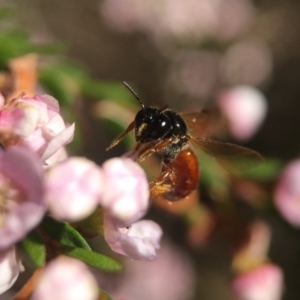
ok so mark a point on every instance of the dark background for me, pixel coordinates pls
(112, 55)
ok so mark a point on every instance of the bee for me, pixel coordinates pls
(170, 133)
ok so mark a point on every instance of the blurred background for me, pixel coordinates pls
(241, 56)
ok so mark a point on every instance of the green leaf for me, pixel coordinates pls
(58, 84)
(7, 11)
(104, 296)
(63, 81)
(109, 90)
(13, 44)
(63, 233)
(33, 250)
(49, 49)
(267, 171)
(92, 225)
(213, 175)
(93, 259)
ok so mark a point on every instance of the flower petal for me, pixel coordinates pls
(51, 102)
(10, 267)
(24, 169)
(60, 140)
(140, 241)
(22, 120)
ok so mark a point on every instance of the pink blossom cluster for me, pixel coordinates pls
(173, 264)
(34, 123)
(37, 177)
(191, 19)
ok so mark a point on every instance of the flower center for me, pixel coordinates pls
(10, 196)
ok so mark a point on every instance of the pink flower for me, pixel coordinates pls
(57, 157)
(10, 268)
(21, 190)
(197, 72)
(73, 188)
(126, 195)
(247, 62)
(262, 283)
(66, 279)
(138, 241)
(192, 20)
(245, 108)
(287, 193)
(235, 17)
(34, 123)
(170, 277)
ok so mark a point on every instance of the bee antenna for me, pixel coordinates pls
(134, 93)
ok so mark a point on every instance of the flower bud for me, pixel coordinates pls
(73, 189)
(262, 283)
(66, 279)
(245, 108)
(126, 196)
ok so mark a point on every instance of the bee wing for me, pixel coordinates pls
(229, 155)
(201, 123)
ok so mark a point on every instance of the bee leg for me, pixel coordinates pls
(120, 137)
(134, 154)
(159, 190)
(160, 180)
(160, 186)
(155, 148)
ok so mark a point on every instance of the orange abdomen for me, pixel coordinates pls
(179, 177)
